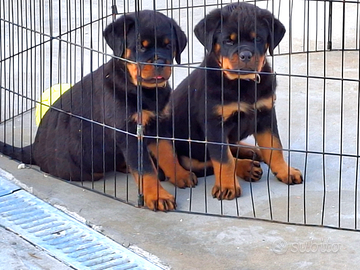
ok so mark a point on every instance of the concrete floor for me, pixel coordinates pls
(18, 254)
(191, 241)
(318, 114)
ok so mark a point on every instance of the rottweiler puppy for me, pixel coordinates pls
(230, 97)
(128, 95)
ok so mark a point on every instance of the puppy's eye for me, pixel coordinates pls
(258, 39)
(141, 49)
(143, 45)
(229, 42)
(167, 43)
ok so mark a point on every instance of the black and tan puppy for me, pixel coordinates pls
(119, 97)
(230, 97)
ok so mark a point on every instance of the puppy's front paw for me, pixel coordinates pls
(227, 191)
(248, 170)
(155, 196)
(289, 175)
(184, 179)
(161, 200)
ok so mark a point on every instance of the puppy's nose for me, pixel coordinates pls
(245, 56)
(159, 63)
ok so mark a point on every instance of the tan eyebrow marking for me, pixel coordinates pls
(145, 43)
(233, 36)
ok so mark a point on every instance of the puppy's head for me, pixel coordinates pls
(151, 40)
(240, 34)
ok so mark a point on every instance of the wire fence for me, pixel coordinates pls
(48, 42)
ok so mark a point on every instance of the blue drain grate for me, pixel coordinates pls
(65, 238)
(6, 187)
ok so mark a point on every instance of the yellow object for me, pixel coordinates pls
(48, 98)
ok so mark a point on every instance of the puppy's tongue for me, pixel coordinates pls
(158, 77)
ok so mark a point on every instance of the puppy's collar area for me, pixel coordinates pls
(251, 76)
(247, 76)
(254, 76)
(153, 84)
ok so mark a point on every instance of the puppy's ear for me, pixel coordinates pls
(115, 33)
(277, 31)
(205, 30)
(181, 41)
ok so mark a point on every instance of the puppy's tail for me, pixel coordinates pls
(23, 154)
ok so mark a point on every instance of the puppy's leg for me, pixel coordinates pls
(248, 169)
(155, 196)
(164, 154)
(246, 151)
(201, 168)
(273, 156)
(226, 183)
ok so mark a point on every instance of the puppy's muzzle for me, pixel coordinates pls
(159, 65)
(156, 72)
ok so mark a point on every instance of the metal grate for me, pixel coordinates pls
(62, 236)
(6, 187)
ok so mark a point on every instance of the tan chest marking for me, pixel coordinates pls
(144, 117)
(229, 109)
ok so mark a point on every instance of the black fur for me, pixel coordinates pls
(207, 88)
(69, 146)
(230, 97)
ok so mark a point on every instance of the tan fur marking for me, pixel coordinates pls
(145, 43)
(272, 153)
(127, 53)
(217, 48)
(233, 36)
(164, 154)
(154, 85)
(226, 63)
(132, 68)
(228, 110)
(248, 169)
(265, 103)
(246, 151)
(273, 156)
(155, 196)
(233, 63)
(145, 116)
(147, 72)
(194, 164)
(231, 76)
(166, 112)
(226, 183)
(261, 63)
